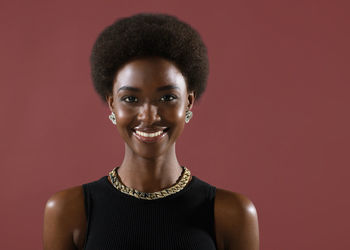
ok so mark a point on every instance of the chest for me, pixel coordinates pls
(150, 227)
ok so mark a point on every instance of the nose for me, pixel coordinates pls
(148, 114)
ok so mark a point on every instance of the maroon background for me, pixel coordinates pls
(273, 124)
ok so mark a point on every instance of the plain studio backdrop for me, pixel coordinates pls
(273, 123)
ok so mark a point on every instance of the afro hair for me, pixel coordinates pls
(145, 35)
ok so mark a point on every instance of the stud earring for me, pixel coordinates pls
(112, 118)
(188, 116)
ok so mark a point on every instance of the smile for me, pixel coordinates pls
(149, 134)
(150, 137)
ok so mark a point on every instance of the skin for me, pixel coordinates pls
(150, 167)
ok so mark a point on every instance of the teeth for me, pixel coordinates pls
(149, 134)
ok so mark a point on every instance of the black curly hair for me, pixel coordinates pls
(144, 35)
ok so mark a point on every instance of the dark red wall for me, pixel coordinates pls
(273, 124)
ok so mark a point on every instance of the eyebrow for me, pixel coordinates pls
(128, 88)
(166, 87)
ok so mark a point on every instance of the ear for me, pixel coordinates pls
(190, 99)
(109, 100)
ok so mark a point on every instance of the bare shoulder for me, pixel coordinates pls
(65, 220)
(236, 221)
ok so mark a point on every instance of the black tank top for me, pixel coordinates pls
(117, 221)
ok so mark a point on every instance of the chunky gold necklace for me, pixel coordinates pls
(184, 179)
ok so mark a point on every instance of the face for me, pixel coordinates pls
(150, 99)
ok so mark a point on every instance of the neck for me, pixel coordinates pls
(149, 174)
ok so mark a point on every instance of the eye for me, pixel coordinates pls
(168, 98)
(130, 99)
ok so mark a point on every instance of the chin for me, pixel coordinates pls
(151, 152)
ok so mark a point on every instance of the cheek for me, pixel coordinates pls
(124, 116)
(122, 112)
(181, 113)
(175, 114)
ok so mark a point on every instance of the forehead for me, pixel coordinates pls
(148, 73)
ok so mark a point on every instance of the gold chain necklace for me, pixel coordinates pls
(184, 179)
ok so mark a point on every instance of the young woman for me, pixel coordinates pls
(149, 69)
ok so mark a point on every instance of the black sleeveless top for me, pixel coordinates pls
(117, 221)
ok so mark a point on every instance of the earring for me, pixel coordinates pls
(188, 116)
(112, 118)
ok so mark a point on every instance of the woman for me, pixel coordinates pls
(149, 69)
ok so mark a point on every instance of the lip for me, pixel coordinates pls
(150, 139)
(150, 130)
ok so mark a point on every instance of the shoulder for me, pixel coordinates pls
(236, 221)
(65, 219)
(233, 203)
(66, 198)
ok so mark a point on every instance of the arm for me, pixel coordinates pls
(237, 221)
(64, 220)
